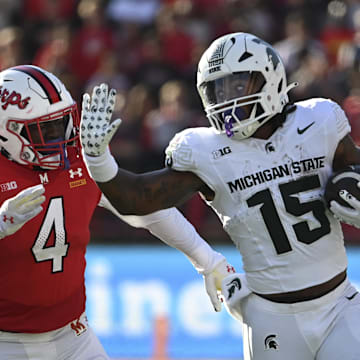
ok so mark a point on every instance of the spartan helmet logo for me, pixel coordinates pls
(234, 284)
(271, 342)
(272, 55)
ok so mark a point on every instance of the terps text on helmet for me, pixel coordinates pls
(12, 98)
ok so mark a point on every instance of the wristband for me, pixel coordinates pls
(102, 168)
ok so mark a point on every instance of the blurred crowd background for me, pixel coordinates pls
(148, 50)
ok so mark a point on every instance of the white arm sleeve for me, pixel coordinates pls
(172, 228)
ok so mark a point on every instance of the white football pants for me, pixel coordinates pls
(75, 341)
(327, 328)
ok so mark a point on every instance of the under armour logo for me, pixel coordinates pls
(271, 343)
(11, 219)
(78, 172)
(78, 327)
(230, 269)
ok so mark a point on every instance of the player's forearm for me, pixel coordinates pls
(125, 189)
(127, 194)
(141, 194)
(176, 231)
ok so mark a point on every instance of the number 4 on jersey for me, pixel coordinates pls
(53, 222)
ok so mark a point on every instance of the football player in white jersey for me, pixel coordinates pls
(262, 166)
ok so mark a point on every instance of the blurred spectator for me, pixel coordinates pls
(162, 123)
(313, 77)
(11, 47)
(48, 10)
(90, 41)
(153, 69)
(38, 16)
(176, 44)
(53, 55)
(129, 143)
(139, 11)
(256, 13)
(9, 14)
(108, 72)
(336, 29)
(351, 106)
(297, 43)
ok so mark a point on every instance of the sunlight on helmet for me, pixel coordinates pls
(39, 119)
(242, 84)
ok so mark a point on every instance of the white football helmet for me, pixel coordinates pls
(242, 83)
(38, 118)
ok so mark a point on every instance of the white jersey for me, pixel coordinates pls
(268, 195)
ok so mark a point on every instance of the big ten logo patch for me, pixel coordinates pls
(221, 152)
(11, 185)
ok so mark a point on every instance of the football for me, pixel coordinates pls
(345, 179)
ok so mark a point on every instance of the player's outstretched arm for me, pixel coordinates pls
(175, 230)
(16, 211)
(129, 193)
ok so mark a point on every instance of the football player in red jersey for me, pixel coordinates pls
(47, 199)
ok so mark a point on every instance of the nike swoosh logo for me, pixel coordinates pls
(352, 296)
(301, 131)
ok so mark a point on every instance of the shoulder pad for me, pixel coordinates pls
(180, 151)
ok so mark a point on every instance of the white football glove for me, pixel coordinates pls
(96, 128)
(213, 281)
(16, 211)
(345, 214)
(96, 131)
(234, 289)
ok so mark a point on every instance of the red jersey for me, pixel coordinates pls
(42, 265)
